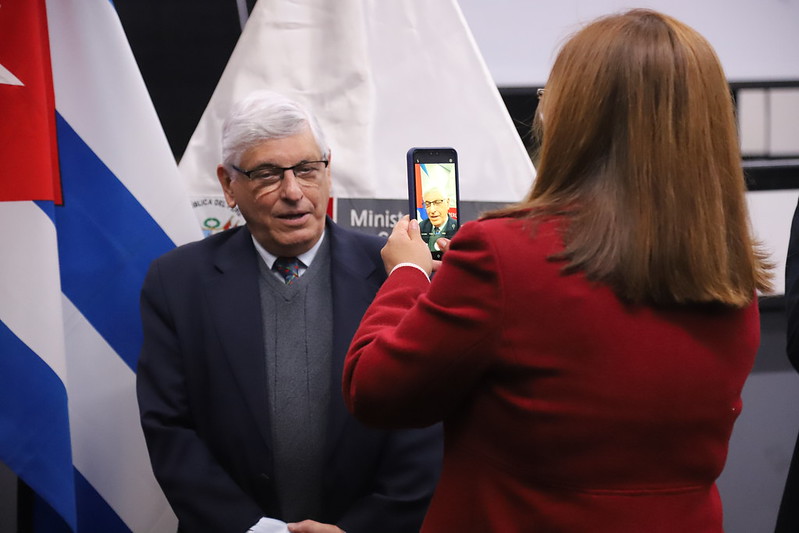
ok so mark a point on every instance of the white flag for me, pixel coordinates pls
(382, 77)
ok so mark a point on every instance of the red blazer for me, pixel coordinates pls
(564, 409)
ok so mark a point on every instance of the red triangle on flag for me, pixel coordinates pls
(28, 146)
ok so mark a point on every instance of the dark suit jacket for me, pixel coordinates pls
(201, 386)
(447, 230)
(788, 518)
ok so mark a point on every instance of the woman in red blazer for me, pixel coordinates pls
(587, 347)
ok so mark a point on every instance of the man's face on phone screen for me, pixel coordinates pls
(437, 206)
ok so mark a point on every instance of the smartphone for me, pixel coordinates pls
(434, 193)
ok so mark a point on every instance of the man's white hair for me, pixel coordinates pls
(262, 116)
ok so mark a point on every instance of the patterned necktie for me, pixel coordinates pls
(288, 267)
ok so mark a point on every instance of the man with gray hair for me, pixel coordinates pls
(438, 223)
(245, 332)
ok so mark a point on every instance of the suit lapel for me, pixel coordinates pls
(355, 279)
(236, 315)
(235, 305)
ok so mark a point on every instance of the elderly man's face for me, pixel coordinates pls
(437, 206)
(289, 220)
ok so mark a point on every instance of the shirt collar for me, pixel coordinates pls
(306, 258)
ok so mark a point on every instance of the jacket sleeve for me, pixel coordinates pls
(422, 346)
(792, 291)
(202, 494)
(403, 484)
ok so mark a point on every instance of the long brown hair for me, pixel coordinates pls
(639, 151)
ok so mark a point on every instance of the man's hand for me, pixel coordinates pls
(405, 245)
(309, 526)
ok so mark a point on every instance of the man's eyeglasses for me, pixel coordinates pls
(436, 203)
(308, 174)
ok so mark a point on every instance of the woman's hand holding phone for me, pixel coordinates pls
(443, 244)
(405, 245)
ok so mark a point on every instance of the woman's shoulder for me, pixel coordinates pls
(537, 229)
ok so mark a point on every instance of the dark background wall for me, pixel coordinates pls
(182, 47)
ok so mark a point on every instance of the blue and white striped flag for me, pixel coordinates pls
(75, 254)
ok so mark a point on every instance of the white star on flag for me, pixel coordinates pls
(6, 78)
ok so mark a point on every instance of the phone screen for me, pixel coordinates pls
(434, 193)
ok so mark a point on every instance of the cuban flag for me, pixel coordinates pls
(89, 195)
